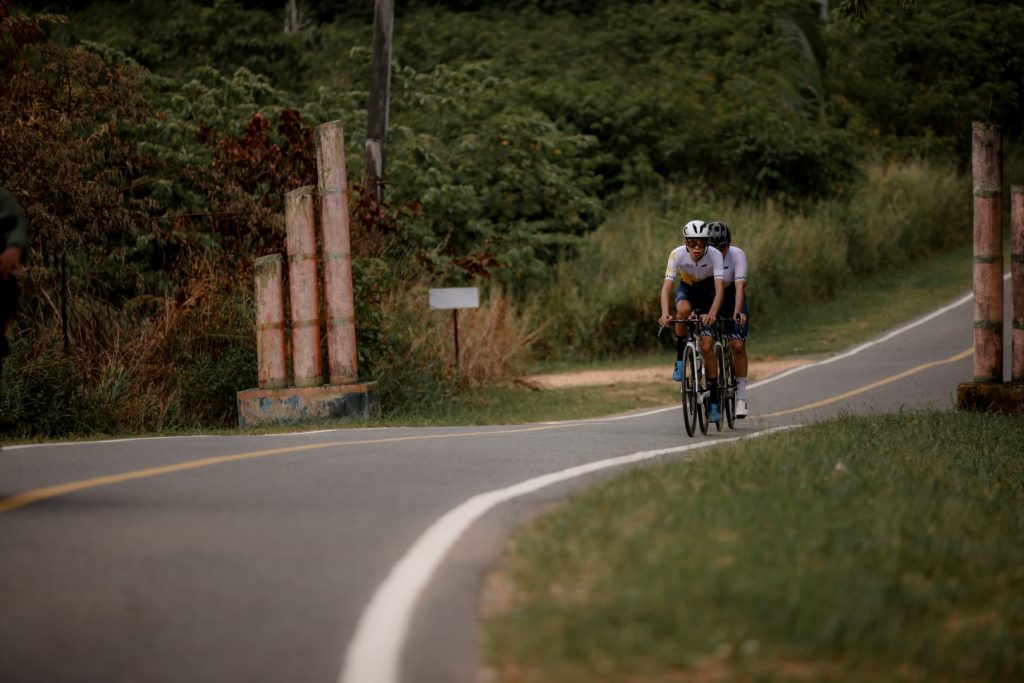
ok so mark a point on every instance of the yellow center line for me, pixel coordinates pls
(873, 385)
(26, 498)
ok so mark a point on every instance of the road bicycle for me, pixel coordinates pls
(726, 372)
(693, 389)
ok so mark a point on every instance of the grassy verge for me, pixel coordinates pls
(876, 304)
(879, 548)
(602, 301)
(866, 309)
(870, 307)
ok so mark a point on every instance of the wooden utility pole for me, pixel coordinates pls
(987, 167)
(292, 21)
(380, 94)
(1017, 283)
(988, 391)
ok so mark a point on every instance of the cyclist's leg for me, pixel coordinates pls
(707, 350)
(738, 346)
(702, 298)
(684, 307)
(726, 311)
(739, 357)
(683, 310)
(702, 302)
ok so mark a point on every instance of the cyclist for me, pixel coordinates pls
(700, 269)
(13, 243)
(735, 301)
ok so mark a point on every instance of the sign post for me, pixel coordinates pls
(455, 298)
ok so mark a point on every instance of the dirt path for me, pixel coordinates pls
(757, 370)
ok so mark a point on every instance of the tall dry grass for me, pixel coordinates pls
(176, 363)
(415, 363)
(605, 301)
(165, 363)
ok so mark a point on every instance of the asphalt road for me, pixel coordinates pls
(350, 556)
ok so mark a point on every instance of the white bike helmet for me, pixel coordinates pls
(696, 230)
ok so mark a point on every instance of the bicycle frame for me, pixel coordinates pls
(694, 392)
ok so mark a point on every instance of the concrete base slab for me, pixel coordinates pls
(992, 398)
(293, 405)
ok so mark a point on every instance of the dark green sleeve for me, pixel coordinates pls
(13, 223)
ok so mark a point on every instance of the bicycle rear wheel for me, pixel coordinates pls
(689, 390)
(728, 375)
(721, 398)
(702, 398)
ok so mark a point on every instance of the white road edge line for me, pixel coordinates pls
(825, 361)
(374, 653)
(867, 345)
(787, 373)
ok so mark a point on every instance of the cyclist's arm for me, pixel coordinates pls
(666, 298)
(717, 304)
(739, 260)
(668, 285)
(741, 296)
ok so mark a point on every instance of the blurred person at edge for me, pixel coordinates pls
(13, 245)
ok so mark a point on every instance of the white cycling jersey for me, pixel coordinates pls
(735, 264)
(682, 267)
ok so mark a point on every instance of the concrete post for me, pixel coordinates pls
(300, 227)
(987, 169)
(1017, 281)
(270, 344)
(334, 226)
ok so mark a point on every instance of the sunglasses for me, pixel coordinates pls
(695, 243)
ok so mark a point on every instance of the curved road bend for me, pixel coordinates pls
(267, 558)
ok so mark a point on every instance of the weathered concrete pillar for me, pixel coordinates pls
(1017, 281)
(300, 227)
(270, 344)
(334, 226)
(988, 253)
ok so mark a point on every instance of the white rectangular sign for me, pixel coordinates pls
(455, 297)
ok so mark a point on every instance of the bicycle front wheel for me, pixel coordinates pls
(689, 390)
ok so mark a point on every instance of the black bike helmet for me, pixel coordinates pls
(718, 234)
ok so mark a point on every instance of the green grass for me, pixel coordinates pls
(494, 405)
(516, 404)
(870, 307)
(866, 309)
(875, 305)
(604, 300)
(883, 548)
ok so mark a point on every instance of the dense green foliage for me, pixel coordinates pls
(861, 549)
(152, 143)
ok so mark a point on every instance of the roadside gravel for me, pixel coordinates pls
(757, 370)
